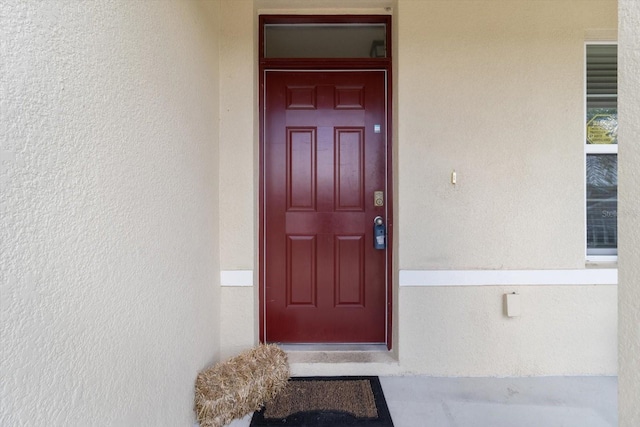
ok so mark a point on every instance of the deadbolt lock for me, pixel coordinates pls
(378, 198)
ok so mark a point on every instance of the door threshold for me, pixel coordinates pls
(334, 347)
(339, 354)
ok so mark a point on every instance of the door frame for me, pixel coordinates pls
(329, 65)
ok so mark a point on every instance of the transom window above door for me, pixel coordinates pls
(325, 41)
(331, 37)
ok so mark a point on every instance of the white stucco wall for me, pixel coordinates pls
(238, 173)
(238, 145)
(109, 255)
(237, 320)
(629, 225)
(493, 89)
(463, 331)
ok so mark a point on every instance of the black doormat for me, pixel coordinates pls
(327, 401)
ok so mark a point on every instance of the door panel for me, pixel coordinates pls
(324, 156)
(349, 164)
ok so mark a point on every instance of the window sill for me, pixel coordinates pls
(602, 261)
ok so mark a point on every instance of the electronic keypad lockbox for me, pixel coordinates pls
(379, 233)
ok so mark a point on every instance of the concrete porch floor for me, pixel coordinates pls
(419, 401)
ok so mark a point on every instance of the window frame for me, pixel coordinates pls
(325, 63)
(600, 255)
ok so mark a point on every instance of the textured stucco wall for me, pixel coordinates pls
(109, 254)
(238, 145)
(629, 223)
(238, 171)
(493, 89)
(463, 331)
(237, 320)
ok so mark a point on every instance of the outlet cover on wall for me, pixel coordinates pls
(513, 305)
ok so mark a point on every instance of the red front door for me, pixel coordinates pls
(324, 160)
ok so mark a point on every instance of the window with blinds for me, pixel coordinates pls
(601, 150)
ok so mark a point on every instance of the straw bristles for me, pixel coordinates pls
(240, 385)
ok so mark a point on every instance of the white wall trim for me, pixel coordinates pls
(588, 276)
(236, 278)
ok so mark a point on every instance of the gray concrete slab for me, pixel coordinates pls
(420, 401)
